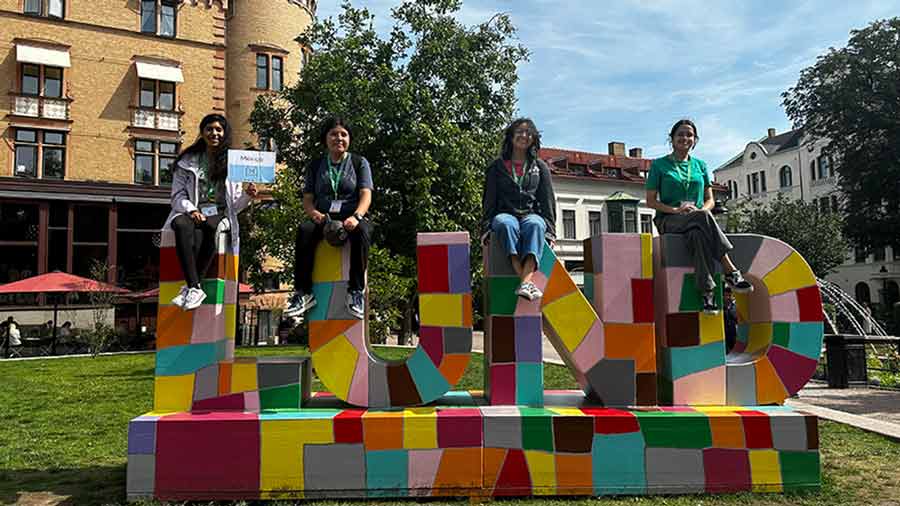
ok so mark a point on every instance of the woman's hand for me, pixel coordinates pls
(350, 223)
(198, 217)
(317, 217)
(252, 191)
(552, 243)
(686, 208)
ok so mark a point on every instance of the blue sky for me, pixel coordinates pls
(626, 70)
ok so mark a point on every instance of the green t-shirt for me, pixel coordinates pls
(676, 182)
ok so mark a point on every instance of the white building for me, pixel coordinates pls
(794, 165)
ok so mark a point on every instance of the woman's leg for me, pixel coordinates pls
(360, 239)
(308, 236)
(506, 230)
(207, 244)
(696, 229)
(185, 248)
(531, 243)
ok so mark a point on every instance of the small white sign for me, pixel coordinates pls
(251, 166)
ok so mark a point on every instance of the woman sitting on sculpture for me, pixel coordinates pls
(680, 190)
(519, 205)
(337, 193)
(203, 200)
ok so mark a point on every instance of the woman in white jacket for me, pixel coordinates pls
(204, 201)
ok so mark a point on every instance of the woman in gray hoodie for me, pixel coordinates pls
(204, 202)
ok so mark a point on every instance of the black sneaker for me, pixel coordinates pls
(736, 281)
(709, 303)
(300, 303)
(356, 304)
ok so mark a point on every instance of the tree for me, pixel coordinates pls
(817, 236)
(428, 103)
(851, 96)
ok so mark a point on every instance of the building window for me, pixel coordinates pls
(896, 251)
(40, 153)
(646, 224)
(859, 255)
(41, 80)
(834, 203)
(812, 169)
(157, 95)
(863, 294)
(823, 205)
(749, 186)
(784, 177)
(159, 17)
(568, 224)
(762, 179)
(262, 71)
(153, 162)
(630, 220)
(824, 167)
(49, 8)
(879, 254)
(54, 155)
(595, 220)
(277, 73)
(755, 182)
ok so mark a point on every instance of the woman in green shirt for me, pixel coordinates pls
(679, 189)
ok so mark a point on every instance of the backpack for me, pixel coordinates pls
(355, 162)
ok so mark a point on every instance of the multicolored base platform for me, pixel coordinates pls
(461, 446)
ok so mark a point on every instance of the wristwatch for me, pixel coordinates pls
(358, 216)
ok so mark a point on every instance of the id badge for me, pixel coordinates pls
(336, 206)
(209, 210)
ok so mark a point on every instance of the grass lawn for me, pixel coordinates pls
(63, 432)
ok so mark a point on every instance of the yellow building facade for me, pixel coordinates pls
(102, 95)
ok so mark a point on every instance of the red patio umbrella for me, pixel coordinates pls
(58, 282)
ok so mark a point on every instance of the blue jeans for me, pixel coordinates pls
(520, 237)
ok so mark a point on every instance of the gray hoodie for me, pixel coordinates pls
(184, 197)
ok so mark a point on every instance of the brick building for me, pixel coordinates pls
(102, 95)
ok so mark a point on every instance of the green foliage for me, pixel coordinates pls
(817, 236)
(428, 103)
(389, 288)
(851, 97)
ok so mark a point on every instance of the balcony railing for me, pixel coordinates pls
(34, 106)
(156, 119)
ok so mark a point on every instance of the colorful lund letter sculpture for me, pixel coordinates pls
(195, 364)
(780, 327)
(337, 340)
(618, 280)
(247, 429)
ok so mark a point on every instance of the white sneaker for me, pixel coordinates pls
(529, 291)
(193, 299)
(178, 300)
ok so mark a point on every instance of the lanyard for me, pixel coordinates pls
(334, 174)
(205, 185)
(516, 178)
(685, 180)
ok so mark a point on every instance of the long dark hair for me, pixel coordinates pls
(532, 152)
(689, 123)
(218, 168)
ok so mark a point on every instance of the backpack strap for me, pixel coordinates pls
(356, 162)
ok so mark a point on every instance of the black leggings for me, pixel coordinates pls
(308, 236)
(195, 244)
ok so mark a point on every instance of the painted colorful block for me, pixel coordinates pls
(620, 270)
(463, 446)
(779, 335)
(342, 355)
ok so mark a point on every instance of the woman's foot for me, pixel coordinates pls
(299, 303)
(709, 303)
(528, 290)
(356, 304)
(178, 300)
(736, 281)
(194, 298)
